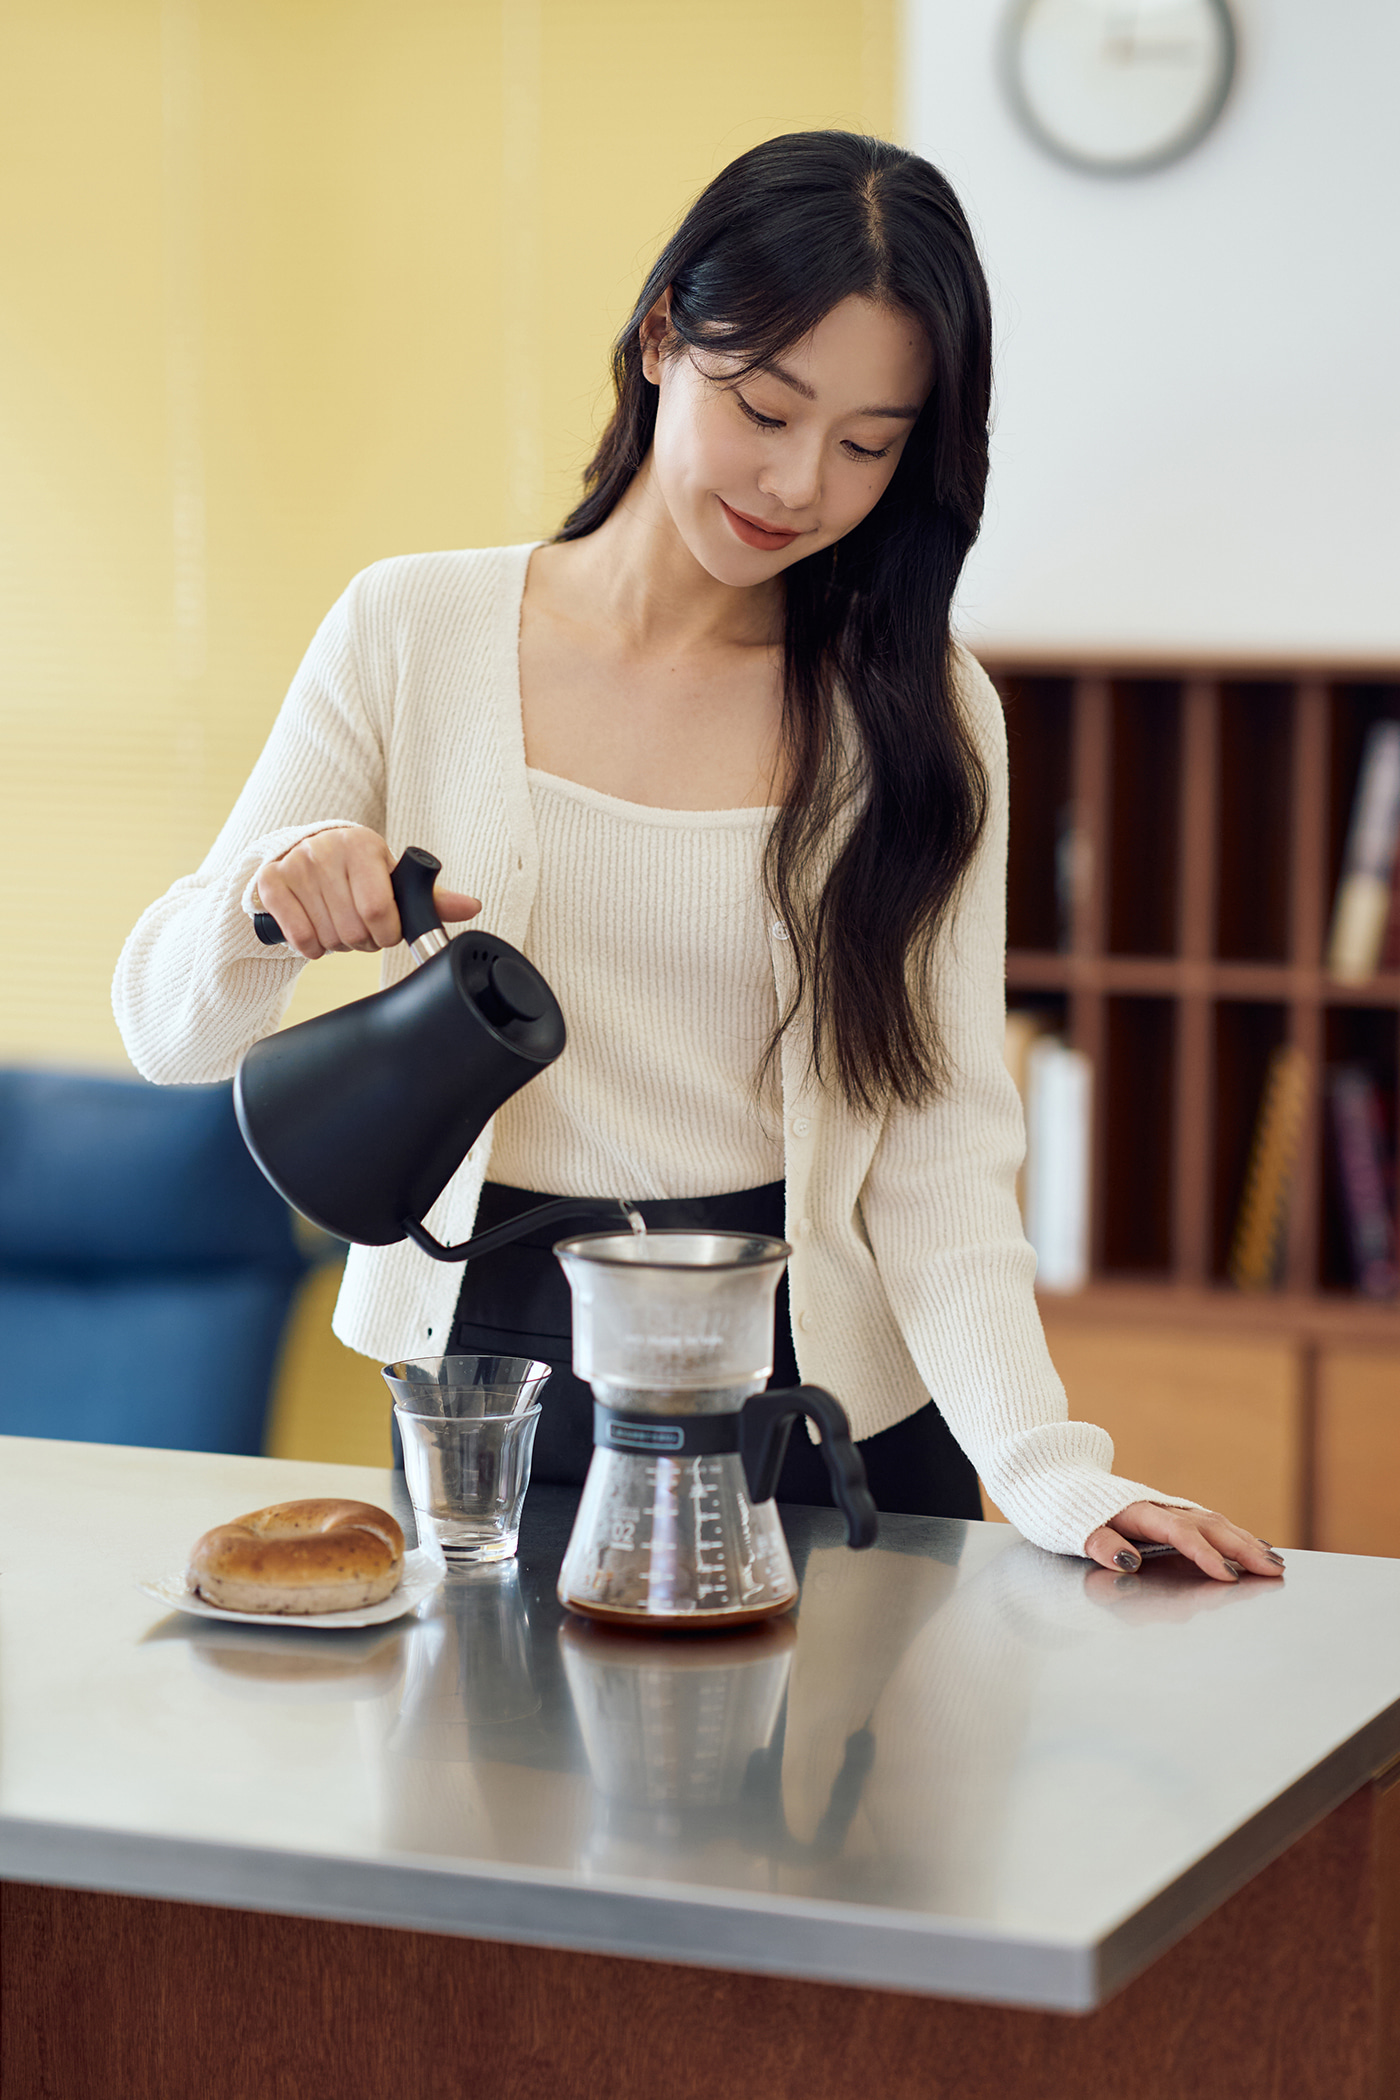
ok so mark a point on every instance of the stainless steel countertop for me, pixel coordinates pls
(965, 1767)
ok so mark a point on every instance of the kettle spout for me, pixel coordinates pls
(514, 1228)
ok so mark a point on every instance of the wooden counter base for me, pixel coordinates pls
(1290, 1991)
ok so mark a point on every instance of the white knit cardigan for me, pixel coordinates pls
(910, 1274)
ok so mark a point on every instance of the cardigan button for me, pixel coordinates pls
(778, 930)
(804, 1321)
(800, 1126)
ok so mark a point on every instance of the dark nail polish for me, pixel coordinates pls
(1267, 1544)
(1276, 1558)
(1127, 1559)
(1233, 1566)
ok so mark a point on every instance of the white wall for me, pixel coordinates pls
(1197, 443)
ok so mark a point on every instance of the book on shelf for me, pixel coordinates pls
(1390, 946)
(1056, 1088)
(1256, 1250)
(1362, 907)
(1359, 1138)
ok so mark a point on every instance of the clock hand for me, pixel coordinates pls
(1121, 34)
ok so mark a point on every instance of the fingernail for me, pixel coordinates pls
(1268, 1543)
(1276, 1558)
(1127, 1559)
(1233, 1566)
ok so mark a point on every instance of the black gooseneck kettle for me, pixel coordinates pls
(361, 1117)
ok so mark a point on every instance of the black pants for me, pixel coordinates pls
(516, 1302)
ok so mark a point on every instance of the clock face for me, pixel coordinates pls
(1119, 86)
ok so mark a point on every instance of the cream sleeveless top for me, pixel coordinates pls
(651, 926)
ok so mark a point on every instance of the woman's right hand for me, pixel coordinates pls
(332, 893)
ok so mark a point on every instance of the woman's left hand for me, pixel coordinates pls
(1218, 1547)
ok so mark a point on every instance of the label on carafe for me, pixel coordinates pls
(645, 1436)
(692, 1436)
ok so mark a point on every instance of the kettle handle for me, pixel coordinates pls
(767, 1419)
(412, 880)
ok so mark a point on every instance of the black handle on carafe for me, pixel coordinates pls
(413, 881)
(766, 1424)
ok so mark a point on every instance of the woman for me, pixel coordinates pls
(711, 758)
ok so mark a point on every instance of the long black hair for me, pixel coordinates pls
(777, 240)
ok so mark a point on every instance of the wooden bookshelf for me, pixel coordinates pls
(1176, 838)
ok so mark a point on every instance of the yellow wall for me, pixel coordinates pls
(285, 286)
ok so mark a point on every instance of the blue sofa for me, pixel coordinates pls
(146, 1267)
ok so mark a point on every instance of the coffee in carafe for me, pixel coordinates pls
(677, 1529)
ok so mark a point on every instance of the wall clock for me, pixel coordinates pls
(1119, 86)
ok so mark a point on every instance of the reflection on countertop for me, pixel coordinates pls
(870, 1746)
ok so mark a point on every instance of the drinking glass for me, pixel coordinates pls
(468, 1428)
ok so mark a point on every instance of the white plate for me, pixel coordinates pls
(422, 1572)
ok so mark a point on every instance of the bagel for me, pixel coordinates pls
(299, 1557)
